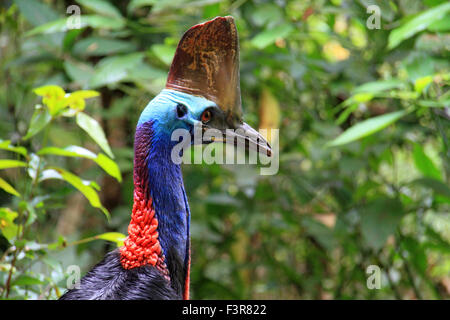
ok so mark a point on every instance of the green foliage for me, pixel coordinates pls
(93, 129)
(16, 226)
(379, 220)
(367, 127)
(7, 225)
(419, 23)
(364, 146)
(8, 188)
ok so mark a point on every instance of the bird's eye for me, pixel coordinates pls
(206, 116)
(181, 110)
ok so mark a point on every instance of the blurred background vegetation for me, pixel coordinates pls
(364, 118)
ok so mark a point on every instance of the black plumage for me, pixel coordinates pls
(108, 280)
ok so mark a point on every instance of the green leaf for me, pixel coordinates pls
(59, 25)
(115, 69)
(404, 95)
(379, 86)
(108, 165)
(441, 25)
(24, 280)
(70, 151)
(76, 100)
(269, 36)
(53, 98)
(6, 164)
(363, 97)
(50, 91)
(40, 119)
(164, 52)
(366, 128)
(349, 109)
(437, 186)
(435, 240)
(70, 38)
(79, 72)
(99, 22)
(36, 12)
(416, 255)
(379, 220)
(421, 83)
(434, 104)
(352, 103)
(81, 186)
(95, 131)
(417, 24)
(6, 145)
(93, 21)
(266, 13)
(116, 237)
(93, 184)
(146, 73)
(8, 188)
(7, 225)
(84, 94)
(101, 7)
(424, 164)
(98, 46)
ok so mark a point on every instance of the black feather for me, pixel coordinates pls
(108, 280)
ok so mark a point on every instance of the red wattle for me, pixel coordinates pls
(142, 246)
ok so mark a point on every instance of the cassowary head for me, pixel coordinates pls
(203, 88)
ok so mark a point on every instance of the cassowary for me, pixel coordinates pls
(202, 89)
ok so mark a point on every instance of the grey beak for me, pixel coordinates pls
(252, 139)
(247, 137)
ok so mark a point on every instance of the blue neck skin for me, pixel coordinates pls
(165, 180)
(161, 178)
(166, 188)
(153, 146)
